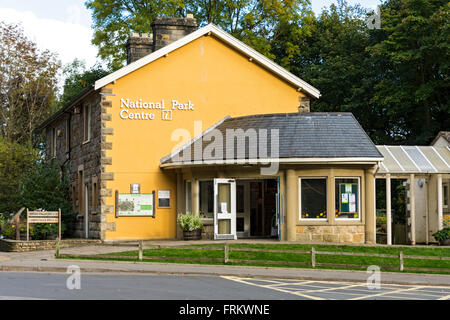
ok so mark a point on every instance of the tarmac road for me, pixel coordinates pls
(15, 285)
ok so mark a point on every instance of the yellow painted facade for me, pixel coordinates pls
(217, 81)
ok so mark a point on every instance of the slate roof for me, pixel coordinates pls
(301, 135)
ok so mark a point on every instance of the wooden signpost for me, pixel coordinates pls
(43, 217)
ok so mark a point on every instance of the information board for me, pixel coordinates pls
(348, 198)
(135, 205)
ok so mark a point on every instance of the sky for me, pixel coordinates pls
(64, 26)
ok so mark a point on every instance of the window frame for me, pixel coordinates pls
(359, 200)
(445, 185)
(87, 123)
(54, 142)
(300, 198)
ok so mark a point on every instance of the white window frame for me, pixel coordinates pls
(359, 200)
(445, 185)
(300, 198)
(87, 118)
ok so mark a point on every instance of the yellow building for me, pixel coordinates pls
(136, 147)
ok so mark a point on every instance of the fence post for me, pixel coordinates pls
(226, 251)
(313, 257)
(400, 256)
(18, 228)
(141, 248)
(57, 246)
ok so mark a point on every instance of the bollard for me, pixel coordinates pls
(226, 250)
(141, 248)
(313, 257)
(57, 246)
(400, 256)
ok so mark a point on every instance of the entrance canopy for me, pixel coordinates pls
(401, 160)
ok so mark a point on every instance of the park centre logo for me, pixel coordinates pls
(144, 110)
(234, 146)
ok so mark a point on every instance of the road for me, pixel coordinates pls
(22, 286)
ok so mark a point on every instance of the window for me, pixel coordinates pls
(313, 198)
(188, 197)
(68, 135)
(80, 192)
(347, 198)
(87, 123)
(94, 194)
(206, 199)
(445, 195)
(53, 143)
(74, 197)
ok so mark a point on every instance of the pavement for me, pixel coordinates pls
(44, 261)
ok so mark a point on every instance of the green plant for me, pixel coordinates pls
(188, 222)
(442, 235)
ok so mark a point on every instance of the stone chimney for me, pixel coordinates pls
(168, 30)
(139, 46)
(305, 105)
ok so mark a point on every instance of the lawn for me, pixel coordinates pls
(215, 256)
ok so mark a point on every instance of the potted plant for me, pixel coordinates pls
(443, 236)
(192, 226)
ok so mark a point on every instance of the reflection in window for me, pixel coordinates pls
(313, 198)
(206, 199)
(347, 198)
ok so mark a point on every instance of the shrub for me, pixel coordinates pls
(188, 222)
(442, 235)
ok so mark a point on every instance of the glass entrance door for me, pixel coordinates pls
(224, 209)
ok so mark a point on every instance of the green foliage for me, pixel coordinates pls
(78, 78)
(249, 20)
(46, 188)
(28, 84)
(188, 222)
(442, 235)
(15, 161)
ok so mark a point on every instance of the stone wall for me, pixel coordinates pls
(333, 234)
(26, 246)
(208, 231)
(81, 156)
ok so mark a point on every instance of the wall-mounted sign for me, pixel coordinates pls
(145, 110)
(164, 199)
(135, 188)
(135, 205)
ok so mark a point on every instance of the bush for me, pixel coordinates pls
(442, 235)
(188, 222)
(45, 187)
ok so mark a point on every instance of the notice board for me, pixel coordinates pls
(348, 197)
(135, 205)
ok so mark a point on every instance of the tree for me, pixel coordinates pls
(251, 21)
(413, 51)
(77, 78)
(15, 161)
(27, 84)
(47, 187)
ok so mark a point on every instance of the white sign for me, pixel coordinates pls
(135, 205)
(145, 110)
(164, 198)
(224, 207)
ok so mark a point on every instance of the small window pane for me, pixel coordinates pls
(188, 197)
(313, 198)
(347, 198)
(206, 199)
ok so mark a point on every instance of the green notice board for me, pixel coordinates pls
(135, 205)
(348, 198)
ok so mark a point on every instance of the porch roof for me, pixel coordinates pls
(302, 137)
(414, 159)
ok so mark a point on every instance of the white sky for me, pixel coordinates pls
(64, 26)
